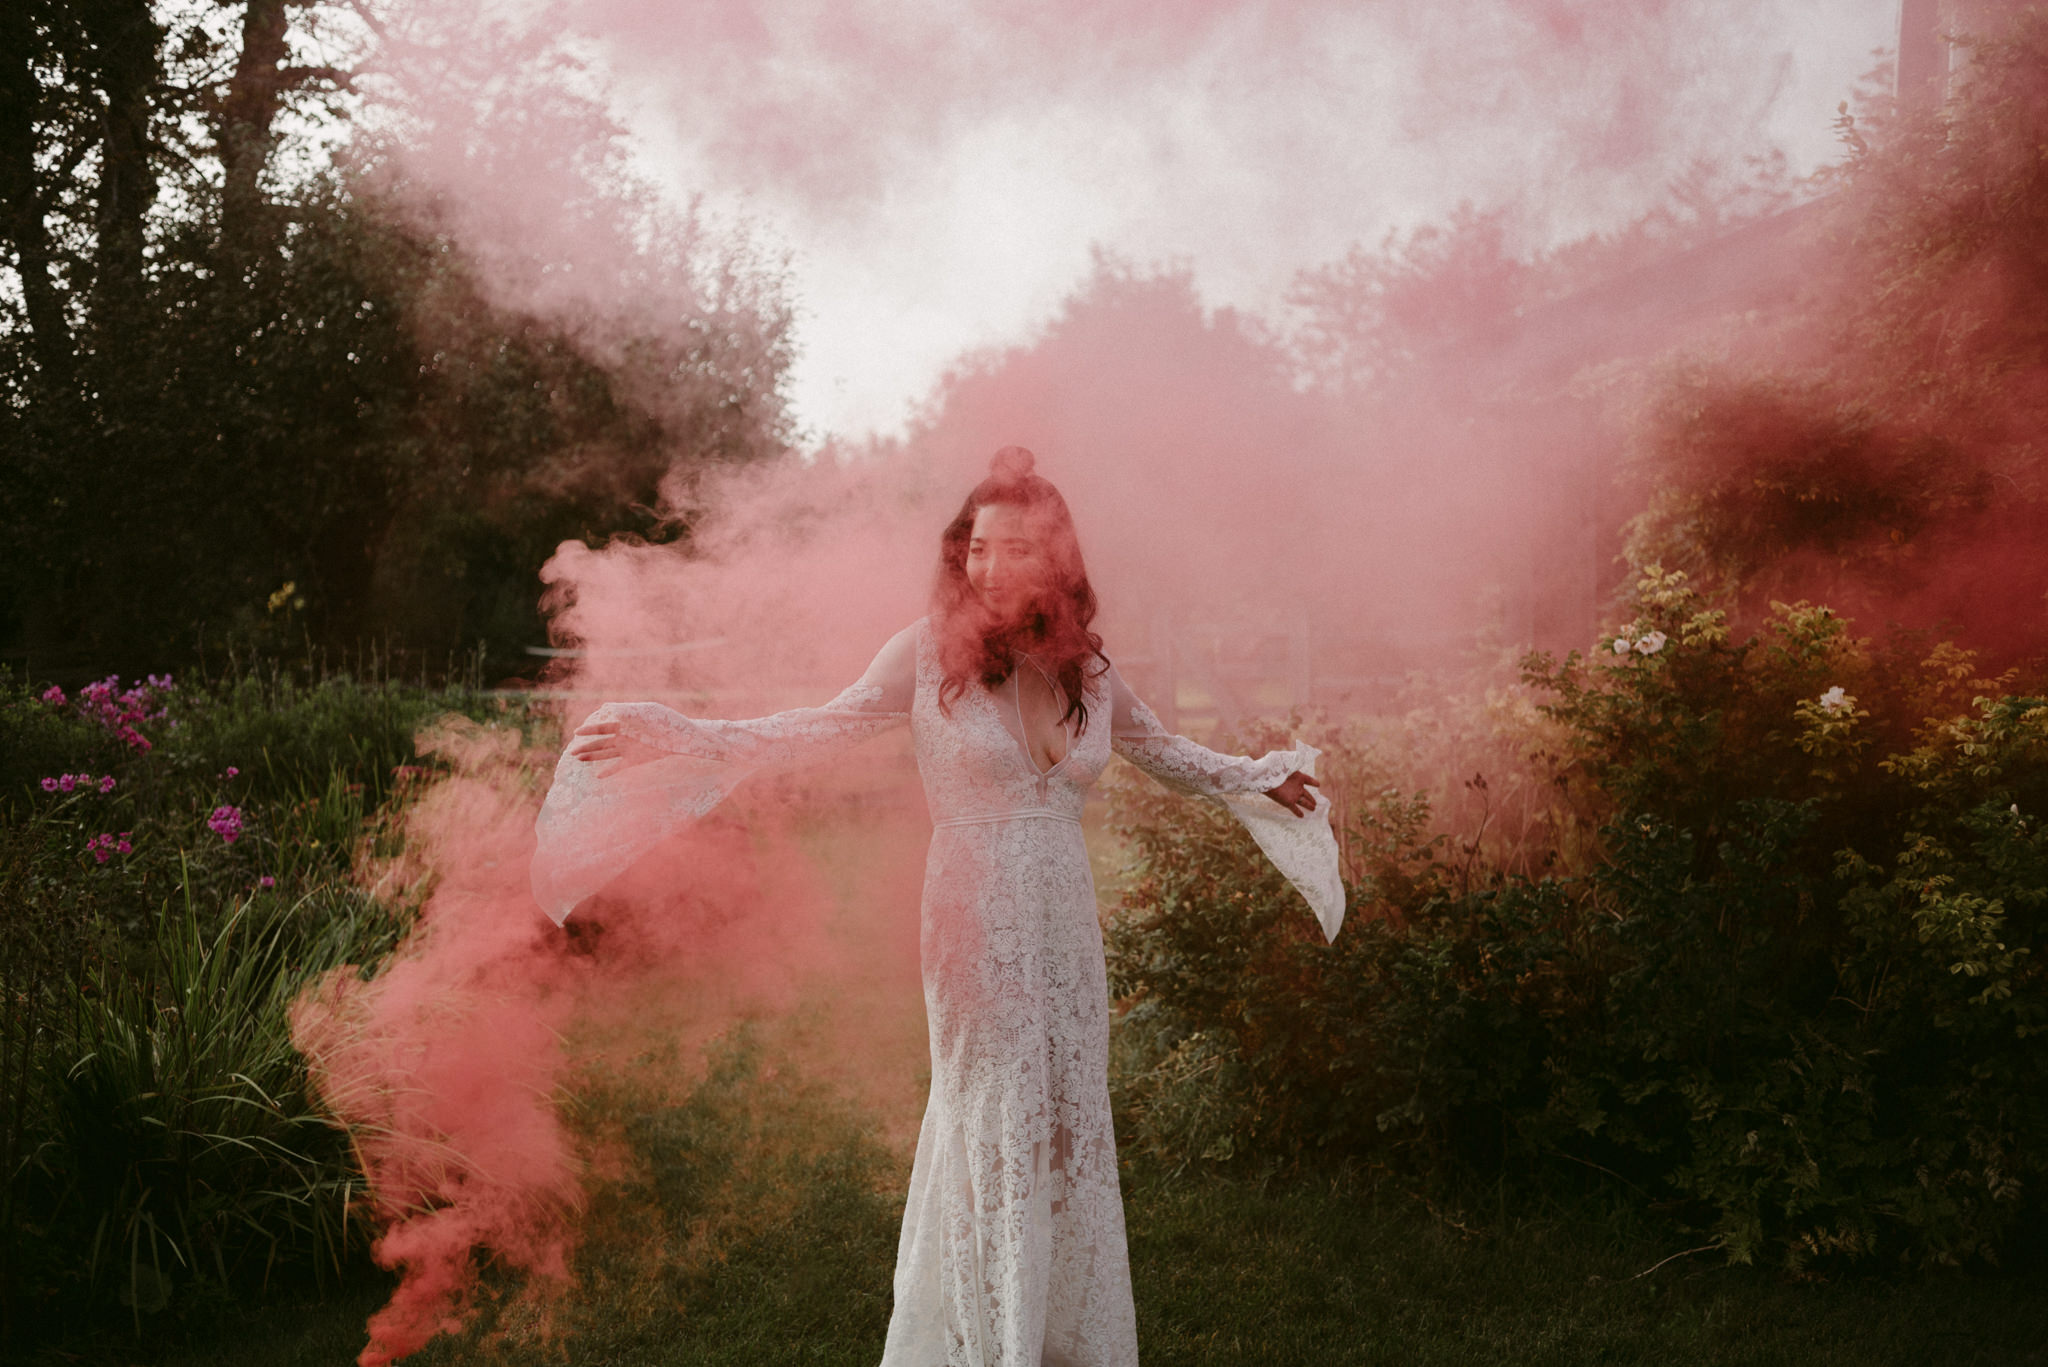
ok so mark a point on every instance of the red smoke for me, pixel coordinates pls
(1211, 487)
(1873, 444)
(442, 1065)
(448, 1067)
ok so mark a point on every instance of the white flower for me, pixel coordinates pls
(1621, 645)
(1651, 643)
(1835, 700)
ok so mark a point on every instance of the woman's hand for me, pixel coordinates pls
(1293, 793)
(603, 740)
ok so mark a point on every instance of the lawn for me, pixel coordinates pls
(756, 1224)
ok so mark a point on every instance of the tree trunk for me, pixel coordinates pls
(248, 115)
(21, 194)
(1922, 71)
(124, 42)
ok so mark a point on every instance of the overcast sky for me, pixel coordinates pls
(940, 169)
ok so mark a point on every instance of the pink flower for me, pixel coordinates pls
(265, 882)
(66, 783)
(230, 772)
(121, 712)
(122, 844)
(54, 696)
(226, 822)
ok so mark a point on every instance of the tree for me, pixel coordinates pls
(1879, 452)
(221, 371)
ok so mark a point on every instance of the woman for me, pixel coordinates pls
(1012, 1249)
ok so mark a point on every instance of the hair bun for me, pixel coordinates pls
(1011, 464)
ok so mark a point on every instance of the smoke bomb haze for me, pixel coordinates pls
(942, 172)
(1329, 322)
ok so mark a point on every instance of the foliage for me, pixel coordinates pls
(1792, 994)
(1370, 315)
(1875, 447)
(252, 392)
(162, 1152)
(189, 1153)
(1795, 1001)
(1374, 317)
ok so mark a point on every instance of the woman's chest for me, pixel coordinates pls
(1044, 720)
(1011, 733)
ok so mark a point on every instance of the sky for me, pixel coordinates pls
(940, 173)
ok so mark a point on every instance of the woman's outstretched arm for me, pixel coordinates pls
(1298, 840)
(1137, 734)
(635, 733)
(635, 773)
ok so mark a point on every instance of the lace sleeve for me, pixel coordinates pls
(803, 735)
(599, 818)
(1303, 848)
(1181, 764)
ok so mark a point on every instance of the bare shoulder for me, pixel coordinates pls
(898, 655)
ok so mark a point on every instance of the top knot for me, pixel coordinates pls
(1011, 464)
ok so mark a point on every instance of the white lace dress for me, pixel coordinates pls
(1012, 1249)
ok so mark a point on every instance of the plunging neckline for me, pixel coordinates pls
(1023, 736)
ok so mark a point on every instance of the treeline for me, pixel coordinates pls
(231, 362)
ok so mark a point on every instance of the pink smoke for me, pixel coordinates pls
(1209, 483)
(440, 1065)
(448, 1066)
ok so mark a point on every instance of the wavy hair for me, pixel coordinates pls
(1053, 627)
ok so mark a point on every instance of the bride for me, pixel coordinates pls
(1012, 1249)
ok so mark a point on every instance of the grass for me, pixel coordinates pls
(756, 1223)
(1307, 1272)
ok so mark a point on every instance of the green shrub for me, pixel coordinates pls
(1792, 1002)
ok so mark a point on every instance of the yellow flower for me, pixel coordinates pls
(284, 595)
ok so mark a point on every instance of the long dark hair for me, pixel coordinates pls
(1053, 626)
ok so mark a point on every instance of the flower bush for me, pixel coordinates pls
(65, 783)
(160, 905)
(120, 711)
(1793, 997)
(101, 847)
(226, 822)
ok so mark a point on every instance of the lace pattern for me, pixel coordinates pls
(1012, 1249)
(598, 819)
(1302, 847)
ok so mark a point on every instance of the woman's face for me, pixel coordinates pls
(1007, 562)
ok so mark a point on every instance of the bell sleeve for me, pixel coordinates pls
(600, 817)
(1302, 848)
